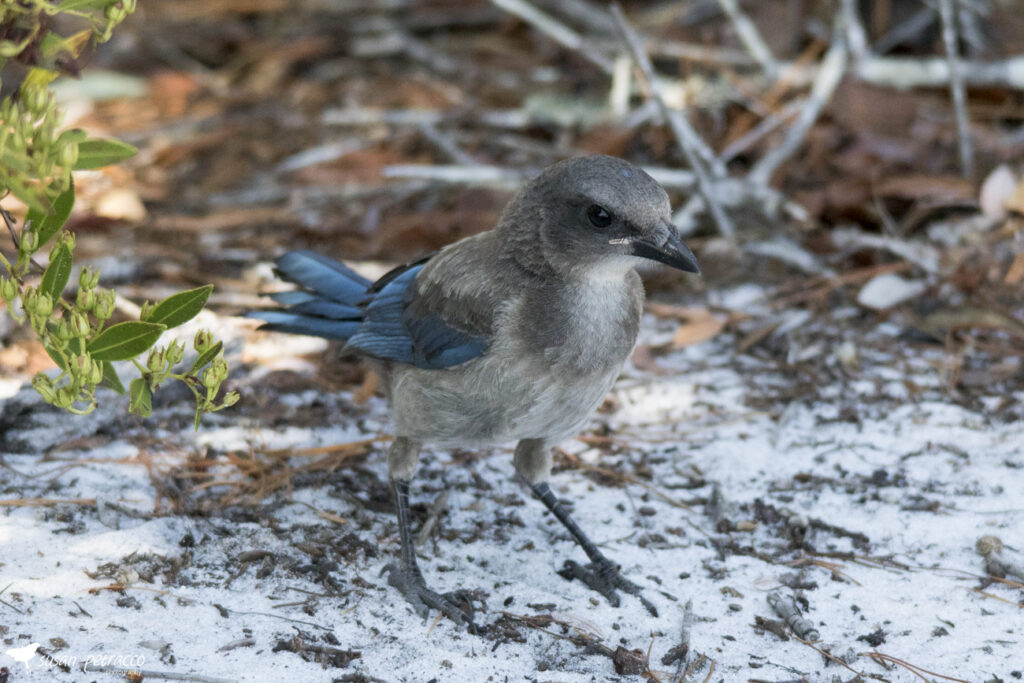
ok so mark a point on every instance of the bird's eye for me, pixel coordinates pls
(599, 216)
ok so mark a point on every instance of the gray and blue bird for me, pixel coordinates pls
(511, 335)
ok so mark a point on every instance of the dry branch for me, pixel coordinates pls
(950, 37)
(693, 147)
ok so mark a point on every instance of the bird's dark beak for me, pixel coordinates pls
(672, 253)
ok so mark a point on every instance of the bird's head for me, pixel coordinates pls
(596, 212)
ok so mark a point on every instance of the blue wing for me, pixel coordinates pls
(375, 319)
(393, 331)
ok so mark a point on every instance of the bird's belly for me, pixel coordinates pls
(495, 400)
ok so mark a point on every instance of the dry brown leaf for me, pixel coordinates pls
(914, 187)
(644, 360)
(699, 327)
(1015, 202)
(1015, 274)
(940, 321)
(371, 382)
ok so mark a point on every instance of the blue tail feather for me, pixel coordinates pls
(327, 306)
(282, 321)
(322, 275)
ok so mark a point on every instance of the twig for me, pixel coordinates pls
(957, 88)
(432, 516)
(912, 668)
(678, 654)
(825, 83)
(477, 175)
(766, 126)
(4, 602)
(555, 30)
(918, 22)
(495, 176)
(45, 502)
(695, 149)
(142, 674)
(9, 222)
(854, 29)
(785, 606)
(234, 644)
(828, 655)
(698, 53)
(934, 72)
(748, 34)
(446, 145)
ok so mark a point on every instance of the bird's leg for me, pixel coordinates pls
(406, 575)
(533, 462)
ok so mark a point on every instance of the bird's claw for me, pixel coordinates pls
(457, 605)
(605, 578)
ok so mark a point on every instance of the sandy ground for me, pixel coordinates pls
(859, 498)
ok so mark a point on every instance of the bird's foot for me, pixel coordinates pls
(457, 605)
(604, 577)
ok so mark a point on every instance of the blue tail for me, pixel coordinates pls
(327, 305)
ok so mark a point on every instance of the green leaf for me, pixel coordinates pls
(110, 378)
(94, 153)
(206, 356)
(179, 308)
(52, 353)
(140, 398)
(47, 225)
(55, 279)
(124, 340)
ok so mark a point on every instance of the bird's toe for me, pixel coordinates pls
(457, 605)
(606, 580)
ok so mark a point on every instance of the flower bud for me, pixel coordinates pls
(230, 399)
(96, 373)
(175, 352)
(85, 299)
(62, 330)
(104, 304)
(81, 365)
(64, 398)
(80, 324)
(68, 154)
(155, 362)
(42, 305)
(88, 278)
(44, 387)
(203, 340)
(29, 242)
(8, 289)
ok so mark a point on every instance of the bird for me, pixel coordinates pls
(515, 334)
(23, 654)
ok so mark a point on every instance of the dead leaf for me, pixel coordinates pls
(949, 319)
(1015, 202)
(920, 187)
(371, 381)
(644, 360)
(700, 327)
(1015, 274)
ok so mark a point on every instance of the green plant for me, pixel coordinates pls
(37, 164)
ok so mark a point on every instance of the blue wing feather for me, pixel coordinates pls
(375, 319)
(390, 329)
